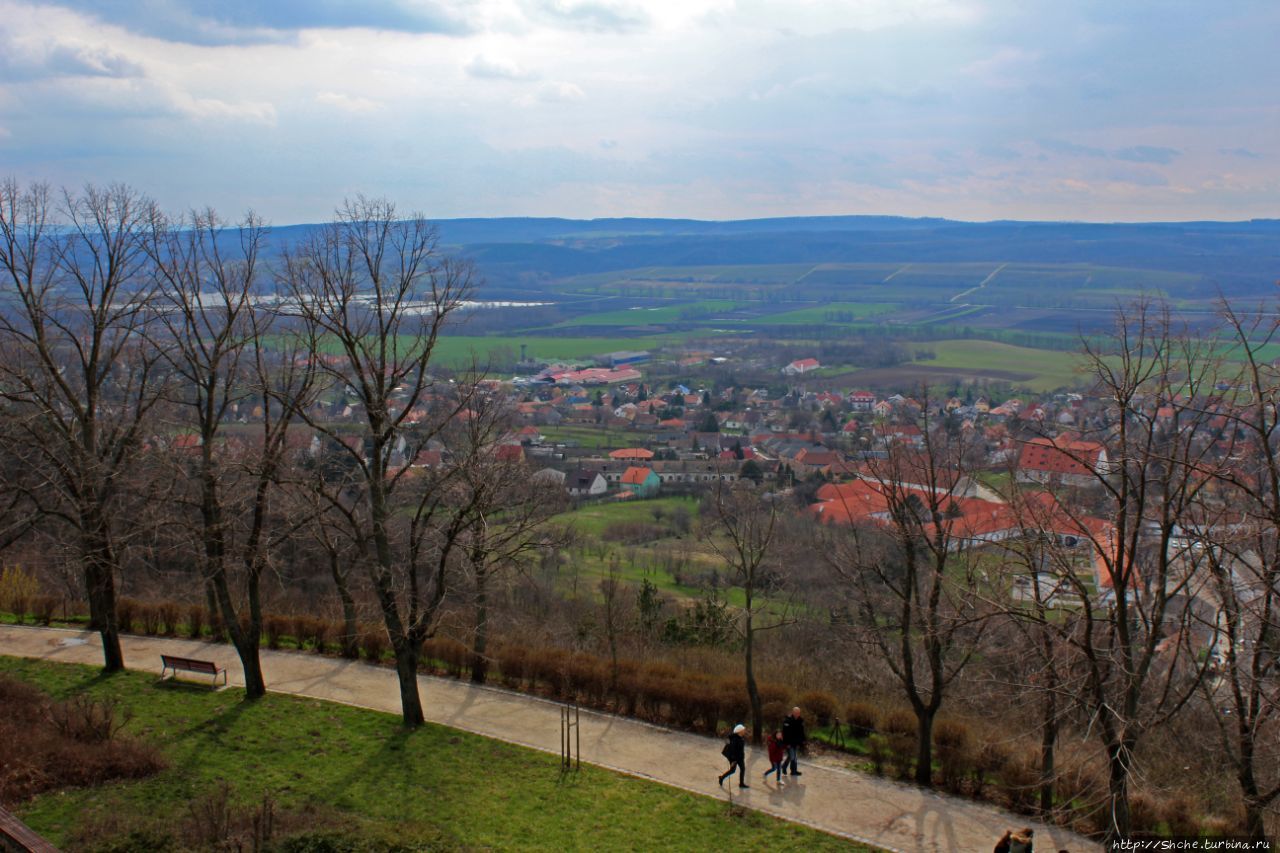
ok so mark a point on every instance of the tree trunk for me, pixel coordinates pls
(479, 661)
(1254, 807)
(350, 631)
(1119, 825)
(103, 601)
(924, 746)
(245, 637)
(753, 690)
(407, 672)
(99, 575)
(255, 686)
(1048, 742)
(216, 633)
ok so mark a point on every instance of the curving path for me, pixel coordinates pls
(876, 811)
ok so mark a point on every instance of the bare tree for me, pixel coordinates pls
(375, 293)
(215, 332)
(1034, 567)
(509, 525)
(913, 576)
(1242, 558)
(1131, 633)
(744, 522)
(76, 370)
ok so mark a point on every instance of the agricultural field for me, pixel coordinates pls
(692, 276)
(1041, 370)
(835, 313)
(646, 316)
(587, 436)
(459, 349)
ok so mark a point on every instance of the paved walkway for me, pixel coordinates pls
(855, 805)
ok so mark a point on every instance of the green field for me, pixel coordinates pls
(358, 776)
(822, 314)
(460, 349)
(592, 519)
(1048, 369)
(754, 274)
(588, 436)
(646, 316)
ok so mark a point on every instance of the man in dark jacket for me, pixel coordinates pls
(793, 737)
(736, 751)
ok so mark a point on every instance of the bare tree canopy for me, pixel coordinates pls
(75, 370)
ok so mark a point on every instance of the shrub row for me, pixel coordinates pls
(652, 691)
(150, 618)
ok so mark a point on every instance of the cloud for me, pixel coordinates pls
(591, 15)
(1139, 177)
(1006, 68)
(253, 21)
(560, 92)
(1071, 149)
(349, 103)
(1240, 152)
(36, 59)
(999, 152)
(496, 68)
(1147, 154)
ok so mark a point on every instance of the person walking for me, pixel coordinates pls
(777, 752)
(793, 736)
(736, 751)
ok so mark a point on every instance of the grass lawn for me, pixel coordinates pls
(1051, 369)
(360, 774)
(590, 436)
(592, 519)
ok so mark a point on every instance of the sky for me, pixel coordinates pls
(718, 109)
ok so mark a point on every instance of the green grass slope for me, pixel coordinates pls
(364, 777)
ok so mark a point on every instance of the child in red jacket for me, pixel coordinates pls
(777, 751)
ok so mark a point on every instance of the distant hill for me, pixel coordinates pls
(1238, 258)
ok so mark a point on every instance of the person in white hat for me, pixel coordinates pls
(736, 751)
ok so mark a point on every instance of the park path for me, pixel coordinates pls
(843, 802)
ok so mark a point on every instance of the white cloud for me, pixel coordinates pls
(497, 68)
(590, 15)
(349, 103)
(560, 92)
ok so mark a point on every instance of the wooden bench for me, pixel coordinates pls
(204, 667)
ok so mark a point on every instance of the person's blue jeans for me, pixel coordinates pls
(790, 760)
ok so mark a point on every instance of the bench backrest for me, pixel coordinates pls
(190, 664)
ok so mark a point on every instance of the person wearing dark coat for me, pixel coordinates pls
(793, 736)
(736, 752)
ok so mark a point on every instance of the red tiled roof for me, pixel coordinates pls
(1060, 457)
(631, 453)
(636, 476)
(509, 453)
